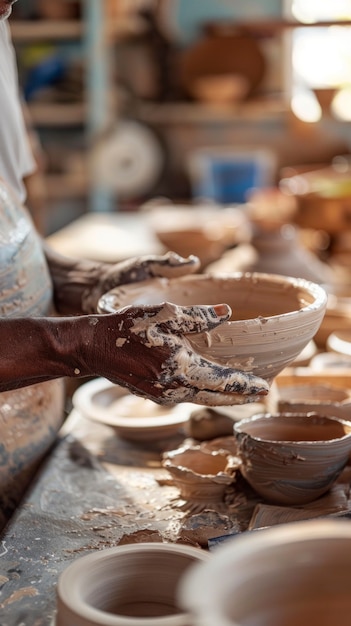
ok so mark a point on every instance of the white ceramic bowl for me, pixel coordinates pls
(131, 417)
(273, 317)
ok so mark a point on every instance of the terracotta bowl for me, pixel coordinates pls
(205, 231)
(131, 417)
(292, 458)
(130, 585)
(201, 474)
(297, 573)
(274, 317)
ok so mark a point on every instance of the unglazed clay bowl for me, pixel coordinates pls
(296, 574)
(131, 585)
(205, 231)
(273, 317)
(292, 458)
(319, 398)
(317, 393)
(201, 475)
(131, 417)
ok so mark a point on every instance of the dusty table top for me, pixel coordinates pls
(94, 491)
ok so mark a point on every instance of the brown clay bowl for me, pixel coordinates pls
(201, 474)
(201, 230)
(130, 585)
(292, 458)
(273, 317)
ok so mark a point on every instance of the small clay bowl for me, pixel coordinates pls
(326, 400)
(273, 317)
(292, 458)
(131, 417)
(130, 585)
(288, 575)
(314, 393)
(201, 475)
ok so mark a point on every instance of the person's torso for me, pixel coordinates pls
(25, 284)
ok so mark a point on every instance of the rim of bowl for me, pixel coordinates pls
(317, 291)
(286, 415)
(69, 587)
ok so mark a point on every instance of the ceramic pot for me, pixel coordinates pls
(275, 248)
(292, 458)
(273, 317)
(222, 51)
(298, 573)
(201, 475)
(202, 230)
(131, 585)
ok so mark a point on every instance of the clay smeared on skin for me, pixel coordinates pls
(169, 265)
(185, 374)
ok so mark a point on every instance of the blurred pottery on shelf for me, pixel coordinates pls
(205, 231)
(325, 97)
(222, 51)
(337, 315)
(220, 89)
(274, 248)
(323, 199)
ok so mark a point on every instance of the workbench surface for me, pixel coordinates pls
(94, 491)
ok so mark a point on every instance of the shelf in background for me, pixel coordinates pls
(198, 113)
(57, 114)
(267, 27)
(27, 30)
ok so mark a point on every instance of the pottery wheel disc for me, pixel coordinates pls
(129, 161)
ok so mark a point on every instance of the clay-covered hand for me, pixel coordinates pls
(79, 283)
(136, 269)
(147, 350)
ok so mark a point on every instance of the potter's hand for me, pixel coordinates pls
(146, 349)
(169, 265)
(79, 283)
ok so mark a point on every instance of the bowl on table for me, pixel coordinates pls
(131, 417)
(292, 458)
(295, 573)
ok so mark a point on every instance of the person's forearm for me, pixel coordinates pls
(37, 349)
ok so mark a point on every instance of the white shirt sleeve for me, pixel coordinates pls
(16, 158)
